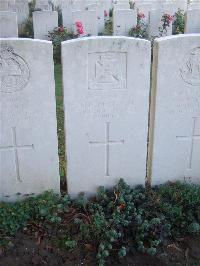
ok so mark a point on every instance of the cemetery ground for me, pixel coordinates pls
(123, 226)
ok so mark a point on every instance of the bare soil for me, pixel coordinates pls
(38, 250)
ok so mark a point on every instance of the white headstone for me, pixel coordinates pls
(8, 24)
(155, 22)
(88, 19)
(22, 10)
(100, 16)
(124, 5)
(194, 5)
(175, 121)
(123, 21)
(192, 21)
(44, 5)
(28, 135)
(43, 22)
(106, 96)
(67, 18)
(7, 5)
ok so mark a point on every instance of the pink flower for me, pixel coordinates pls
(79, 24)
(61, 29)
(79, 27)
(141, 15)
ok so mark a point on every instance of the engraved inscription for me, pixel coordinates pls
(107, 143)
(190, 70)
(114, 106)
(107, 71)
(15, 147)
(14, 71)
(194, 136)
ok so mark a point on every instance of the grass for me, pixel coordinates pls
(60, 120)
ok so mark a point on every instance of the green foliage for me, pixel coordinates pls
(46, 207)
(70, 244)
(132, 4)
(108, 27)
(109, 24)
(166, 21)
(59, 10)
(120, 220)
(179, 22)
(60, 120)
(57, 36)
(28, 28)
(111, 12)
(180, 203)
(128, 218)
(140, 30)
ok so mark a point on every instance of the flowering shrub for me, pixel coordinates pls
(79, 28)
(179, 22)
(166, 22)
(57, 36)
(139, 31)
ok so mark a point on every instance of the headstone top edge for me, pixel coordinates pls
(93, 38)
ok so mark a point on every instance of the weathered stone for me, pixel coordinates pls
(192, 21)
(43, 23)
(106, 98)
(123, 21)
(88, 19)
(8, 24)
(28, 135)
(175, 121)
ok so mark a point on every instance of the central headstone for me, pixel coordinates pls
(106, 95)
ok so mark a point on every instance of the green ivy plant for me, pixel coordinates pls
(179, 22)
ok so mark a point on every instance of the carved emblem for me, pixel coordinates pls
(14, 71)
(107, 71)
(190, 70)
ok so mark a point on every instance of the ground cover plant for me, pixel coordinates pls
(123, 221)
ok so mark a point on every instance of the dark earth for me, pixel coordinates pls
(39, 249)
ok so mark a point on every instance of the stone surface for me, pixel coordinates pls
(88, 19)
(121, 5)
(28, 136)
(44, 5)
(155, 23)
(22, 10)
(175, 126)
(8, 24)
(106, 98)
(123, 21)
(192, 21)
(7, 5)
(43, 22)
(100, 15)
(67, 18)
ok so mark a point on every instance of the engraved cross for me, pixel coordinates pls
(107, 143)
(192, 139)
(15, 147)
